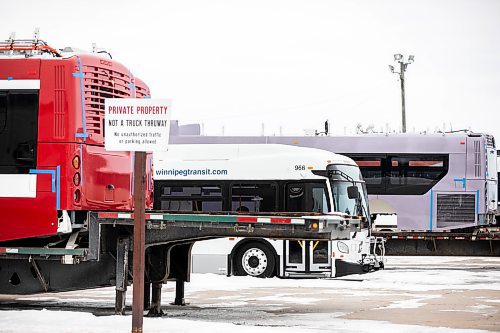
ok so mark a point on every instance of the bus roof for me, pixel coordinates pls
(364, 143)
(247, 161)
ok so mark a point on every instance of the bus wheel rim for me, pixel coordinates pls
(254, 261)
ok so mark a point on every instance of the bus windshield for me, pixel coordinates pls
(341, 177)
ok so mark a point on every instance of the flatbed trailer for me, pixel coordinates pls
(97, 255)
(479, 241)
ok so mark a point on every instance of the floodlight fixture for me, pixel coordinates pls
(398, 57)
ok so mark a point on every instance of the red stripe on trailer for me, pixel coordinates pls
(280, 220)
(107, 215)
(246, 219)
(147, 216)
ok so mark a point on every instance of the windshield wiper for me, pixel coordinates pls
(342, 174)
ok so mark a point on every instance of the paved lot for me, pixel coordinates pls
(454, 293)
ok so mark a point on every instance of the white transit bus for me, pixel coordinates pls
(268, 178)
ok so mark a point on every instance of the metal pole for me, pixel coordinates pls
(179, 292)
(402, 79)
(139, 240)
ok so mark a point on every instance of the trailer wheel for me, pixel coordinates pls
(254, 259)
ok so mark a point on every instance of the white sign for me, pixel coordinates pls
(133, 124)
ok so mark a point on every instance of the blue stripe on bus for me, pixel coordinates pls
(79, 75)
(462, 180)
(55, 178)
(58, 189)
(133, 172)
(432, 204)
(131, 85)
(46, 172)
(81, 164)
(477, 207)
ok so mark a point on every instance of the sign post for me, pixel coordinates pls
(139, 240)
(137, 125)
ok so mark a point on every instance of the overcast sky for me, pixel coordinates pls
(292, 63)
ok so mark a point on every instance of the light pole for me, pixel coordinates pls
(402, 69)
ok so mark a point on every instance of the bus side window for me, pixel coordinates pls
(191, 198)
(18, 131)
(320, 203)
(415, 174)
(254, 197)
(295, 198)
(306, 197)
(372, 169)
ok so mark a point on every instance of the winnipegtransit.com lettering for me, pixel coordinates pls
(191, 172)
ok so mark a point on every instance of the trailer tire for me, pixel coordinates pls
(254, 259)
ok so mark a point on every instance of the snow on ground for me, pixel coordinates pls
(43, 321)
(414, 294)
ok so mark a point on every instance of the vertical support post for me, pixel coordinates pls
(402, 79)
(147, 296)
(139, 241)
(122, 249)
(179, 292)
(155, 310)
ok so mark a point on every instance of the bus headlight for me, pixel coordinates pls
(343, 247)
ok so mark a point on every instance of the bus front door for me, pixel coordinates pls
(307, 257)
(320, 258)
(295, 256)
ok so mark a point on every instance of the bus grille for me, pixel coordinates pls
(455, 209)
(101, 83)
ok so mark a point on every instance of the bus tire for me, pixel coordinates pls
(254, 259)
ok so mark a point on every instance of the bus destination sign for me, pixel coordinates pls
(137, 124)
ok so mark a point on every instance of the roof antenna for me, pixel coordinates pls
(36, 35)
(316, 133)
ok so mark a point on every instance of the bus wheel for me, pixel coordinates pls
(254, 259)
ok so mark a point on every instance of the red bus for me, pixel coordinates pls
(53, 166)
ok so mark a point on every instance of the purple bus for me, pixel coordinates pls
(428, 182)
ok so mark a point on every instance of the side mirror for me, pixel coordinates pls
(326, 127)
(352, 192)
